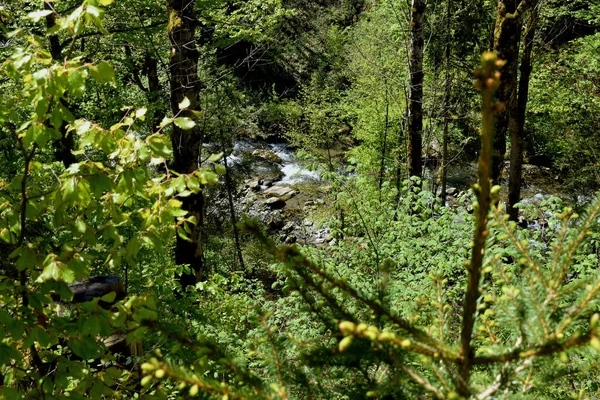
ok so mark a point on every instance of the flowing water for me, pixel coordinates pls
(293, 171)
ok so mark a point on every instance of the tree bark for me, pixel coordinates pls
(154, 89)
(384, 141)
(507, 36)
(447, 92)
(517, 135)
(184, 83)
(63, 147)
(415, 97)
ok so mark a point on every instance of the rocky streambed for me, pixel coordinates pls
(288, 196)
(282, 192)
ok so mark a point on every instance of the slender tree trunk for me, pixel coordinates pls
(402, 144)
(229, 187)
(385, 135)
(183, 68)
(517, 135)
(415, 97)
(507, 37)
(446, 104)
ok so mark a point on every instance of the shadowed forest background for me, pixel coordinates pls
(284, 199)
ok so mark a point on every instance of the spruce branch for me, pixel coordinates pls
(581, 234)
(294, 259)
(488, 77)
(546, 349)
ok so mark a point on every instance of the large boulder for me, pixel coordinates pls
(267, 155)
(96, 287)
(282, 192)
(275, 203)
(275, 222)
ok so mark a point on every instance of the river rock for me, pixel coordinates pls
(288, 227)
(282, 192)
(275, 203)
(290, 239)
(275, 222)
(451, 191)
(254, 185)
(97, 286)
(267, 155)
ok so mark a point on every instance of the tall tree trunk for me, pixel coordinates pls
(517, 134)
(183, 68)
(447, 93)
(154, 89)
(415, 97)
(507, 36)
(63, 147)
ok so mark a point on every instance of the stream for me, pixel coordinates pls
(283, 191)
(272, 156)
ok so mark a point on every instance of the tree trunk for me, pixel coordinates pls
(517, 135)
(384, 141)
(183, 68)
(63, 147)
(229, 187)
(446, 104)
(154, 90)
(415, 97)
(507, 36)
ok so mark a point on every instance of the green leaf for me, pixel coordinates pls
(9, 394)
(181, 233)
(51, 271)
(103, 73)
(220, 169)
(140, 113)
(43, 338)
(26, 260)
(184, 123)
(109, 297)
(68, 189)
(207, 177)
(166, 121)
(7, 354)
(76, 83)
(91, 326)
(41, 107)
(37, 15)
(85, 347)
(196, 113)
(105, 2)
(42, 136)
(185, 103)
(215, 157)
(95, 11)
(160, 145)
(6, 235)
(56, 118)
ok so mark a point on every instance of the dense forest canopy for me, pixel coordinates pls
(285, 199)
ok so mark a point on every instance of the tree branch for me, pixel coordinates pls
(114, 30)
